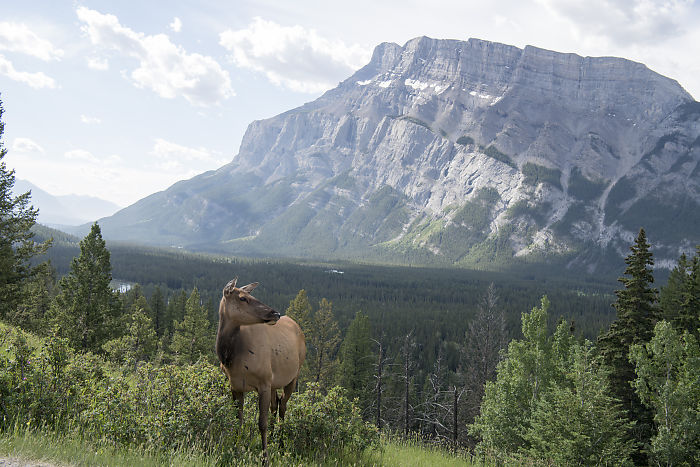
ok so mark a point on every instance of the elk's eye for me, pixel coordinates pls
(243, 299)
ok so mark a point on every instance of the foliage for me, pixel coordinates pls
(667, 369)
(17, 245)
(193, 337)
(300, 310)
(355, 361)
(536, 174)
(577, 422)
(86, 308)
(168, 408)
(139, 343)
(319, 426)
(636, 315)
(522, 375)
(323, 344)
(679, 299)
(550, 400)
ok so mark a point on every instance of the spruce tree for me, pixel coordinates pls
(86, 307)
(636, 316)
(323, 345)
(356, 360)
(158, 311)
(193, 337)
(17, 246)
(139, 342)
(300, 310)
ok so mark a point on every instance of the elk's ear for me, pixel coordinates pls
(228, 289)
(249, 288)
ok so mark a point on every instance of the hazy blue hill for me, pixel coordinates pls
(65, 210)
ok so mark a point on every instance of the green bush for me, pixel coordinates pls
(168, 408)
(322, 426)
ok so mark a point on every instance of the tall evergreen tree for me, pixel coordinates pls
(158, 311)
(300, 310)
(356, 360)
(139, 341)
(193, 336)
(17, 246)
(324, 339)
(636, 316)
(679, 299)
(86, 307)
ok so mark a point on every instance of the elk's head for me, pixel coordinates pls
(240, 306)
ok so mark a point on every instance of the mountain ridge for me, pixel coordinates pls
(450, 152)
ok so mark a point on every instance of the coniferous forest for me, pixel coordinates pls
(116, 343)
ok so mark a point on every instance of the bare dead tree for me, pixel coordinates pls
(484, 339)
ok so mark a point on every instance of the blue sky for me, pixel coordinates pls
(120, 99)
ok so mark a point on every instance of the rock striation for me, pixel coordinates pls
(450, 152)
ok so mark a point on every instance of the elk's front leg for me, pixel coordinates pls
(239, 397)
(263, 408)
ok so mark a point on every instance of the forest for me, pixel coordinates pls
(116, 342)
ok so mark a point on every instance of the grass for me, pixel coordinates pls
(412, 453)
(29, 445)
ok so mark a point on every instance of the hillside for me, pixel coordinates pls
(441, 152)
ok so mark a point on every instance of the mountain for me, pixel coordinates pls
(448, 152)
(65, 210)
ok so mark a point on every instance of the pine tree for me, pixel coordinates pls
(679, 299)
(355, 360)
(86, 307)
(139, 342)
(300, 310)
(636, 316)
(17, 246)
(158, 311)
(193, 337)
(324, 340)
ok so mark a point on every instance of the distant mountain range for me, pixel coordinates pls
(65, 210)
(470, 153)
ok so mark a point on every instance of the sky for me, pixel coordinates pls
(121, 99)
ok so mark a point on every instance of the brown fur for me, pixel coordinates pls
(259, 351)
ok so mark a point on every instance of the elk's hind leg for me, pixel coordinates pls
(288, 390)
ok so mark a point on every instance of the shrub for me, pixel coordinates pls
(321, 426)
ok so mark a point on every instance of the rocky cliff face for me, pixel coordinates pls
(453, 152)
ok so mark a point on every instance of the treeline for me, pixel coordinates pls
(436, 305)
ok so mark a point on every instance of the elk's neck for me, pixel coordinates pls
(227, 337)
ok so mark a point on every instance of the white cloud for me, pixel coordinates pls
(175, 156)
(16, 37)
(98, 63)
(80, 154)
(176, 25)
(90, 120)
(26, 145)
(294, 57)
(624, 22)
(165, 68)
(35, 80)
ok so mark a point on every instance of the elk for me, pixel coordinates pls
(259, 351)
